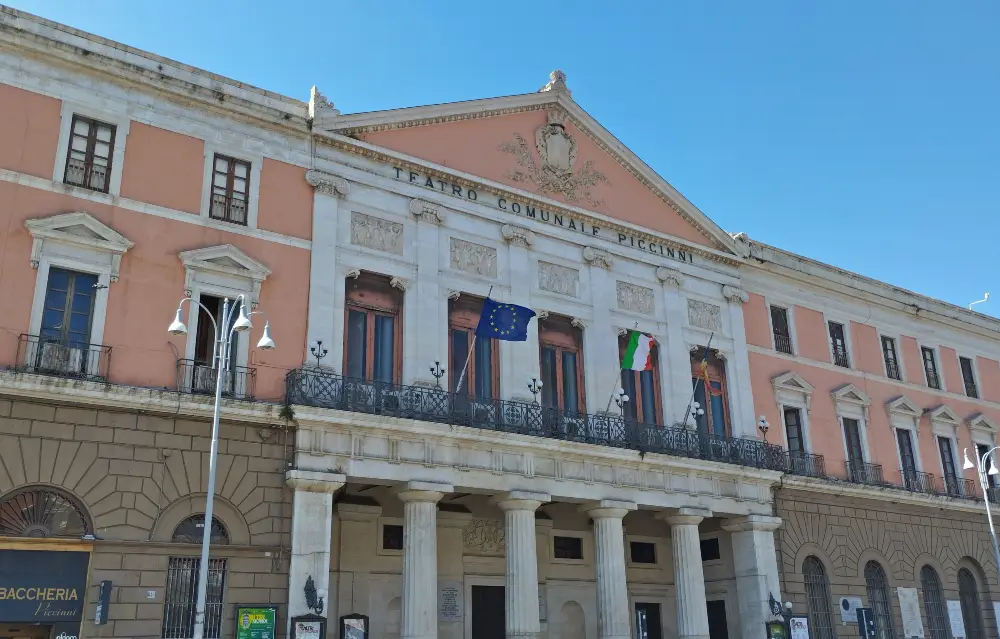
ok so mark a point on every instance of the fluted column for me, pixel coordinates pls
(420, 586)
(756, 567)
(522, 562)
(689, 578)
(613, 616)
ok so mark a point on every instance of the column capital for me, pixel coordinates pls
(597, 257)
(315, 482)
(763, 523)
(608, 508)
(424, 210)
(735, 295)
(517, 235)
(685, 516)
(521, 500)
(328, 183)
(422, 491)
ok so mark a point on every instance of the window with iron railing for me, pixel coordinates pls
(908, 461)
(981, 451)
(781, 330)
(930, 367)
(838, 343)
(818, 599)
(181, 592)
(892, 369)
(878, 598)
(794, 432)
(230, 189)
(968, 377)
(88, 159)
(972, 606)
(952, 485)
(934, 606)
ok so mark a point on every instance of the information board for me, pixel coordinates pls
(256, 622)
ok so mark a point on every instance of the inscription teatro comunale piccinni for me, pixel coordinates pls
(524, 209)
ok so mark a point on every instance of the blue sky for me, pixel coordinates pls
(862, 133)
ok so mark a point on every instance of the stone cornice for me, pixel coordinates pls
(895, 495)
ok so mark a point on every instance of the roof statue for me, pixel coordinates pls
(557, 82)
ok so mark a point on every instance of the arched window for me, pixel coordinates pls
(190, 531)
(972, 613)
(37, 511)
(937, 615)
(878, 599)
(818, 598)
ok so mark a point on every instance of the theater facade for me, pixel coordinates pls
(796, 434)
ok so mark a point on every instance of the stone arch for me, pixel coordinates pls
(573, 620)
(874, 555)
(805, 550)
(222, 509)
(869, 537)
(980, 575)
(972, 543)
(818, 532)
(44, 510)
(926, 559)
(925, 544)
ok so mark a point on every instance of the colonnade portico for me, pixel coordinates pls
(754, 560)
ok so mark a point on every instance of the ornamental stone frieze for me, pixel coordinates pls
(328, 183)
(473, 258)
(556, 278)
(704, 315)
(376, 233)
(635, 298)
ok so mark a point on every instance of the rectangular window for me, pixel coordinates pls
(793, 430)
(838, 343)
(948, 462)
(892, 369)
(715, 420)
(561, 361)
(710, 550)
(88, 159)
(782, 334)
(908, 461)
(930, 367)
(968, 377)
(991, 480)
(69, 307)
(567, 547)
(181, 594)
(642, 552)
(642, 388)
(852, 435)
(482, 376)
(373, 339)
(392, 537)
(230, 189)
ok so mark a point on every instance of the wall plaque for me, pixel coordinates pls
(376, 233)
(450, 601)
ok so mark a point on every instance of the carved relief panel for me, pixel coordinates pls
(558, 279)
(484, 537)
(632, 297)
(376, 233)
(473, 258)
(704, 315)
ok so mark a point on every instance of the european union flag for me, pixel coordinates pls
(504, 321)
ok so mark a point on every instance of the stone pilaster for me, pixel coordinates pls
(322, 313)
(312, 528)
(424, 301)
(756, 566)
(689, 578)
(614, 619)
(522, 562)
(420, 584)
(520, 360)
(600, 341)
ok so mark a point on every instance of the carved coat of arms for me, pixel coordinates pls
(554, 173)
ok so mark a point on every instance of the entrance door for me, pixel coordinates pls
(717, 628)
(24, 631)
(489, 617)
(647, 621)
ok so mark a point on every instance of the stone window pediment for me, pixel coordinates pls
(851, 401)
(792, 388)
(904, 410)
(80, 230)
(227, 262)
(983, 424)
(944, 421)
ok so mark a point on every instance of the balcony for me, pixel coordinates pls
(314, 387)
(956, 487)
(860, 472)
(89, 176)
(60, 357)
(197, 378)
(840, 357)
(806, 465)
(783, 344)
(917, 482)
(892, 369)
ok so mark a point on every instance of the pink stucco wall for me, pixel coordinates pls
(812, 340)
(472, 146)
(286, 200)
(758, 328)
(866, 354)
(164, 168)
(29, 131)
(912, 361)
(950, 373)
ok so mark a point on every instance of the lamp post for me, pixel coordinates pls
(982, 472)
(224, 331)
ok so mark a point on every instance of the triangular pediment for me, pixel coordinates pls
(78, 228)
(851, 394)
(544, 144)
(943, 414)
(982, 423)
(227, 259)
(791, 381)
(903, 405)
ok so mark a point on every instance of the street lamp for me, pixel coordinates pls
(224, 331)
(982, 471)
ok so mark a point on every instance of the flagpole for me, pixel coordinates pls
(687, 413)
(617, 381)
(461, 378)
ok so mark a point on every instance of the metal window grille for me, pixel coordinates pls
(182, 593)
(937, 616)
(891, 360)
(818, 598)
(780, 328)
(878, 597)
(930, 368)
(972, 612)
(969, 377)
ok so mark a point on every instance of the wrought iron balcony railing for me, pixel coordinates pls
(783, 343)
(867, 473)
(955, 487)
(315, 387)
(806, 465)
(916, 481)
(199, 379)
(993, 493)
(60, 357)
(840, 357)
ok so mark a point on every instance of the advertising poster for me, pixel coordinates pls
(255, 622)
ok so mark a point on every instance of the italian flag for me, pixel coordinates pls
(638, 353)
